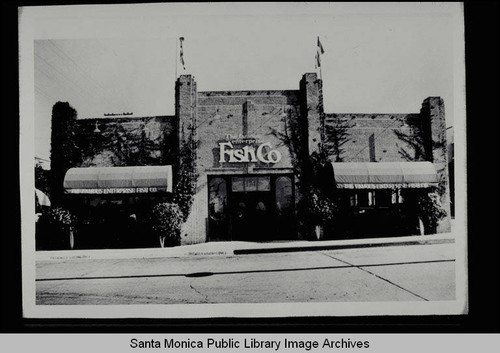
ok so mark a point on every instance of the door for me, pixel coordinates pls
(218, 220)
(285, 219)
(252, 216)
(251, 208)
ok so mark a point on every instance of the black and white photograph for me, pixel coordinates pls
(206, 160)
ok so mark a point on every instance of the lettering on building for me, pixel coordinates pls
(263, 153)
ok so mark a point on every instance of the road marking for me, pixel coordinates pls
(382, 278)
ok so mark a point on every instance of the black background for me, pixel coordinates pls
(481, 40)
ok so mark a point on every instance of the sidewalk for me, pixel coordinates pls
(241, 248)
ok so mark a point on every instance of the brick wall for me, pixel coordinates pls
(217, 114)
(213, 115)
(254, 114)
(380, 128)
(126, 141)
(381, 138)
(433, 113)
(310, 106)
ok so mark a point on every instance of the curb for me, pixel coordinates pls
(225, 249)
(340, 246)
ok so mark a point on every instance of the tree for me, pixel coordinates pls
(64, 153)
(337, 135)
(314, 207)
(42, 177)
(166, 222)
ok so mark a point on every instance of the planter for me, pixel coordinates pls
(71, 239)
(319, 232)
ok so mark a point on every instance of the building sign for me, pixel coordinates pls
(105, 191)
(245, 184)
(263, 153)
(385, 186)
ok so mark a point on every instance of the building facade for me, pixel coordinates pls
(245, 157)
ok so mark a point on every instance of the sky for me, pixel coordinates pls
(379, 58)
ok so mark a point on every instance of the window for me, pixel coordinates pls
(241, 184)
(400, 196)
(217, 198)
(384, 197)
(353, 200)
(371, 198)
(284, 194)
(363, 198)
(397, 196)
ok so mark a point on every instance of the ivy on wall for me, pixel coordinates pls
(420, 147)
(115, 145)
(187, 176)
(336, 136)
(314, 207)
(414, 144)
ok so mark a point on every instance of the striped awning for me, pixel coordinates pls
(118, 180)
(384, 175)
(42, 198)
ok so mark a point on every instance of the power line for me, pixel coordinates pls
(90, 94)
(273, 116)
(85, 73)
(368, 145)
(62, 75)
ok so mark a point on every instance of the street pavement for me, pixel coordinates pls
(413, 271)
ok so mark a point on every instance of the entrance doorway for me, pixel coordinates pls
(251, 208)
(252, 219)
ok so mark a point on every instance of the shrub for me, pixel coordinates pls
(60, 218)
(166, 222)
(315, 209)
(430, 210)
(55, 229)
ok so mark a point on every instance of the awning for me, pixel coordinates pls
(42, 198)
(384, 175)
(118, 180)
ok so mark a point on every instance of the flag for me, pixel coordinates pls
(181, 39)
(320, 47)
(318, 61)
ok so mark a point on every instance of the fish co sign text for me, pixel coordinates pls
(248, 153)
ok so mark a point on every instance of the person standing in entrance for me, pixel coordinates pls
(260, 221)
(240, 231)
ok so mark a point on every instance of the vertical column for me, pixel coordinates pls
(248, 117)
(434, 130)
(311, 106)
(194, 229)
(371, 144)
(185, 106)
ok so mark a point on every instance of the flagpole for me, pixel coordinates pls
(320, 51)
